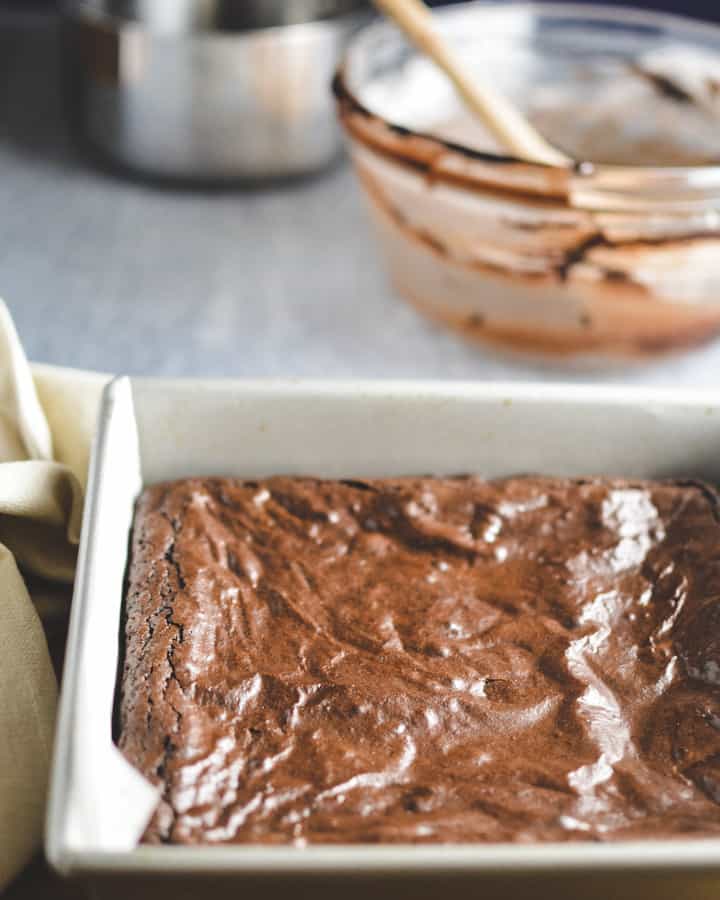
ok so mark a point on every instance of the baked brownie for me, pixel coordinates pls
(425, 660)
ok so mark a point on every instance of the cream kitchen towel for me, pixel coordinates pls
(47, 417)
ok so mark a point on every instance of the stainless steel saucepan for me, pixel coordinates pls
(208, 89)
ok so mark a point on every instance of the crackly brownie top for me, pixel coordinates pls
(425, 660)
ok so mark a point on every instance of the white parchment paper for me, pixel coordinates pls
(103, 802)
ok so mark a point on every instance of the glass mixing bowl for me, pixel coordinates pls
(614, 259)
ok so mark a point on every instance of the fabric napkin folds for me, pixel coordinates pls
(47, 419)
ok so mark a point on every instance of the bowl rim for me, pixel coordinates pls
(605, 176)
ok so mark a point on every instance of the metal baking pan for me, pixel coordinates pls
(156, 429)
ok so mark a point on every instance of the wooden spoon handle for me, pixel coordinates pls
(502, 119)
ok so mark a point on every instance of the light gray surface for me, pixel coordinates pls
(100, 272)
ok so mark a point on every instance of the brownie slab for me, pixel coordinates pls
(425, 660)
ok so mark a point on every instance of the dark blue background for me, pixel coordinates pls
(703, 9)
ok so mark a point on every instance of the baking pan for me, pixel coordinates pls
(157, 429)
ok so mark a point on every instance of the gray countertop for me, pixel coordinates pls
(101, 272)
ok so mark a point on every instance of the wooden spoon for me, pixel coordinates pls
(499, 116)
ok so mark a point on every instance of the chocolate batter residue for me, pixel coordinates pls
(425, 660)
